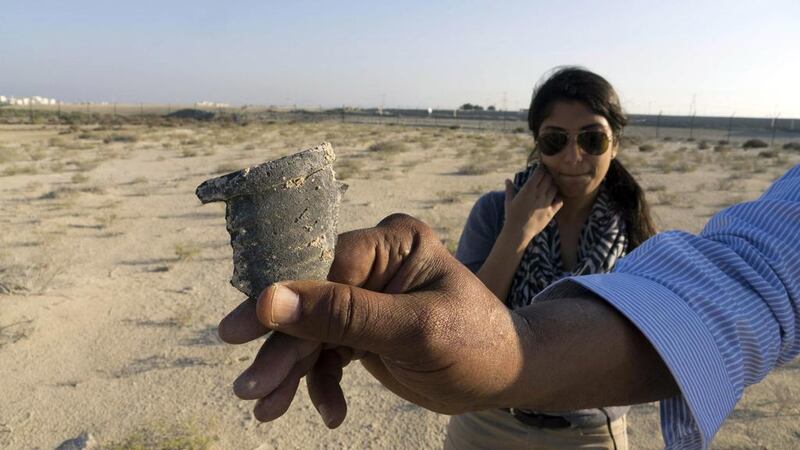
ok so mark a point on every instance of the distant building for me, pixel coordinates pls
(26, 101)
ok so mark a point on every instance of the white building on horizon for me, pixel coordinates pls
(26, 101)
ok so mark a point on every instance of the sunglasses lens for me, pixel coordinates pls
(593, 142)
(551, 143)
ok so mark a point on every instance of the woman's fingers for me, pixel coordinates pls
(558, 202)
(510, 191)
(324, 389)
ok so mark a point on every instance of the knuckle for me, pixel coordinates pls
(346, 316)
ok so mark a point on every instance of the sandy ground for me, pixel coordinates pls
(113, 277)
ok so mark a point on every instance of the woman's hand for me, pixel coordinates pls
(530, 210)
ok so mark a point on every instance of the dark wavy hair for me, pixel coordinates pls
(577, 84)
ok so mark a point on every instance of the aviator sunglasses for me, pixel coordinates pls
(593, 142)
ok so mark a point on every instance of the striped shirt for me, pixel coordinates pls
(721, 308)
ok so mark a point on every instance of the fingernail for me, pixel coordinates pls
(325, 412)
(285, 305)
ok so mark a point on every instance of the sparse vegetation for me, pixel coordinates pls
(27, 169)
(388, 147)
(474, 169)
(186, 251)
(100, 214)
(754, 143)
(227, 168)
(768, 154)
(792, 146)
(163, 437)
(79, 178)
(347, 168)
(120, 138)
(647, 148)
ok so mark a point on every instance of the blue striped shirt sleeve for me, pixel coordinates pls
(721, 308)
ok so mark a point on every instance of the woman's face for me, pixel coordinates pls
(576, 173)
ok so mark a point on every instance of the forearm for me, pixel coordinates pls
(498, 270)
(579, 352)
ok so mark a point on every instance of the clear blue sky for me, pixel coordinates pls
(729, 56)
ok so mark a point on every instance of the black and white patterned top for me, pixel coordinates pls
(602, 241)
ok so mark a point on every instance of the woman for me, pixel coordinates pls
(573, 211)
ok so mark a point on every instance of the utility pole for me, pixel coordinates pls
(693, 112)
(505, 99)
(730, 126)
(658, 123)
(774, 122)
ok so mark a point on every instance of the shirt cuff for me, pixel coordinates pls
(681, 339)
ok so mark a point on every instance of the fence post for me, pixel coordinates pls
(730, 126)
(658, 124)
(772, 137)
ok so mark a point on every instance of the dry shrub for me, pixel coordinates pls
(722, 148)
(173, 437)
(79, 178)
(630, 141)
(31, 277)
(120, 138)
(768, 154)
(474, 169)
(226, 168)
(791, 146)
(20, 170)
(656, 188)
(8, 154)
(84, 165)
(347, 168)
(667, 198)
(755, 143)
(388, 147)
(188, 153)
(186, 251)
(646, 148)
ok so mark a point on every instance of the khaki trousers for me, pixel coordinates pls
(497, 429)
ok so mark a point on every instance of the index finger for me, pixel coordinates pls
(372, 257)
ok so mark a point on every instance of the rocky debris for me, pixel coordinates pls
(281, 216)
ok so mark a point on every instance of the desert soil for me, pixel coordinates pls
(113, 277)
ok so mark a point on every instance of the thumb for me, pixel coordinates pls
(341, 314)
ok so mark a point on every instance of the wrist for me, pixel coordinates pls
(515, 237)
